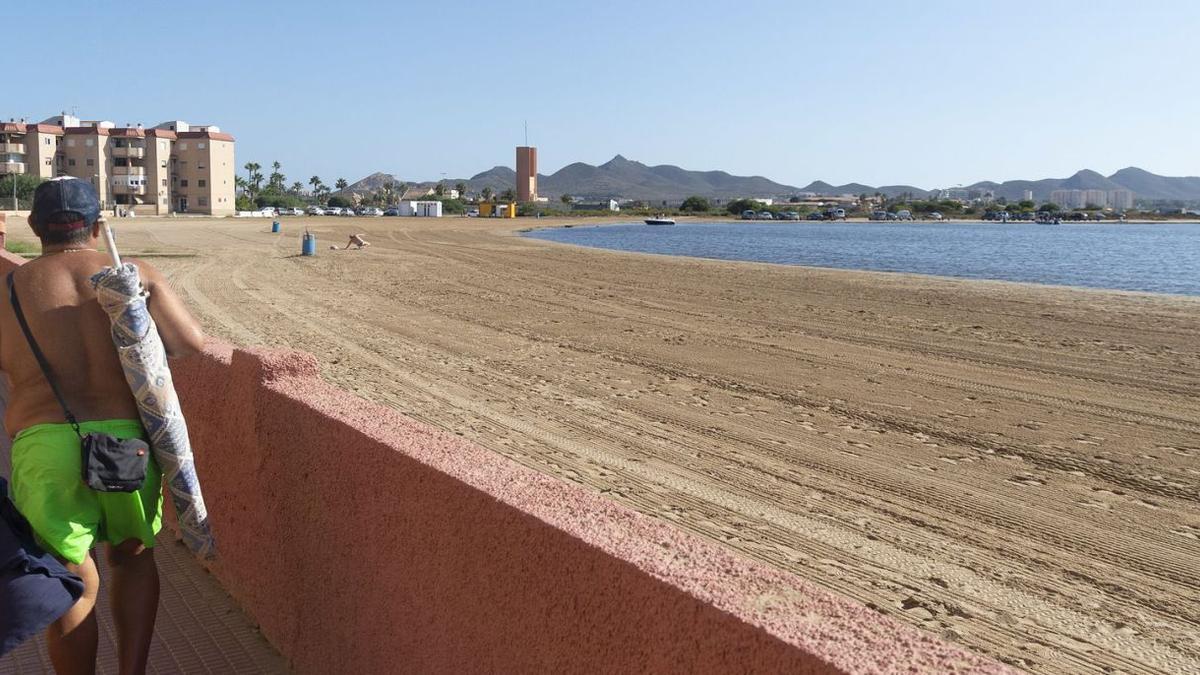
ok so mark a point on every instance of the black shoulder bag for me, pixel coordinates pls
(109, 463)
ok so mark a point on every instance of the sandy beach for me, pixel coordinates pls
(1012, 467)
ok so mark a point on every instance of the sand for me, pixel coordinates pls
(1015, 468)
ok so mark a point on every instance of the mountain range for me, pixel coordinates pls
(623, 178)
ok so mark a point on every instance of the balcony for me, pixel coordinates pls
(126, 189)
(131, 152)
(129, 171)
(12, 167)
(12, 148)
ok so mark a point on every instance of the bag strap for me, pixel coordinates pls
(37, 354)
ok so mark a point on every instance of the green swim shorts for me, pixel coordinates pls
(67, 516)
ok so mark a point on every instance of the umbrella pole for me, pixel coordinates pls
(112, 245)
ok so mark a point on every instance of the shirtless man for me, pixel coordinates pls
(357, 241)
(73, 332)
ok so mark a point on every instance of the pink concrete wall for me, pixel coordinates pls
(364, 542)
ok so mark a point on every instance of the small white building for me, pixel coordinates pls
(427, 209)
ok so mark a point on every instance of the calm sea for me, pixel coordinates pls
(1157, 258)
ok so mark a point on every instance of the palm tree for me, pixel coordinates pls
(462, 190)
(508, 196)
(296, 188)
(254, 178)
(314, 182)
(487, 193)
(239, 184)
(341, 184)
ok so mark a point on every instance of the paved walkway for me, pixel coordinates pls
(200, 628)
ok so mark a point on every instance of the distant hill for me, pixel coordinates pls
(624, 178)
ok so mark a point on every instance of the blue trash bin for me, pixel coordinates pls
(275, 226)
(309, 246)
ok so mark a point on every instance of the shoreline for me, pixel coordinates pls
(523, 232)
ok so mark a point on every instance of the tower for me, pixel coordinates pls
(526, 173)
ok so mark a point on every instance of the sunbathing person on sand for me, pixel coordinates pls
(357, 241)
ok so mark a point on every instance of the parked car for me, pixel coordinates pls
(904, 214)
(348, 212)
(935, 215)
(290, 211)
(473, 213)
(836, 214)
(371, 211)
(879, 215)
(789, 215)
(816, 215)
(749, 214)
(316, 211)
(393, 211)
(765, 215)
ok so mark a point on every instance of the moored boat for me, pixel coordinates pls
(660, 220)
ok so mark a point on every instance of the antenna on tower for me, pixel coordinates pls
(527, 133)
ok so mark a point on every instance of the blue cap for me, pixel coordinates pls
(65, 194)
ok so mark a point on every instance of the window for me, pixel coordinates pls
(164, 182)
(183, 146)
(164, 163)
(47, 140)
(91, 162)
(201, 183)
(199, 146)
(203, 201)
(70, 142)
(183, 183)
(70, 162)
(199, 167)
(89, 142)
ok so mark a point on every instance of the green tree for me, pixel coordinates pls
(296, 188)
(339, 201)
(25, 183)
(253, 177)
(315, 182)
(566, 198)
(736, 206)
(276, 181)
(1050, 207)
(439, 189)
(341, 184)
(695, 204)
(462, 190)
(487, 193)
(508, 195)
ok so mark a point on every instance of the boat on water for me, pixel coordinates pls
(660, 220)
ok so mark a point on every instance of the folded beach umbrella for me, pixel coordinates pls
(144, 360)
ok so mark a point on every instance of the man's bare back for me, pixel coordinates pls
(73, 331)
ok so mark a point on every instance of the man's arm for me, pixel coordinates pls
(181, 333)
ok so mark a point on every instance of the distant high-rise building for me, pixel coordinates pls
(1120, 199)
(526, 173)
(1027, 196)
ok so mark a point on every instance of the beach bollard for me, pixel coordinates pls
(309, 245)
(275, 226)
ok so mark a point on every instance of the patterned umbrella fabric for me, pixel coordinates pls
(144, 360)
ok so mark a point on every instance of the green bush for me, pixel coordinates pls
(695, 204)
(340, 202)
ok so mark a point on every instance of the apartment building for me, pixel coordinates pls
(1078, 199)
(174, 167)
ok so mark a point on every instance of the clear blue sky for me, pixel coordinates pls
(925, 92)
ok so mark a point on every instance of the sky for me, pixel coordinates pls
(931, 93)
